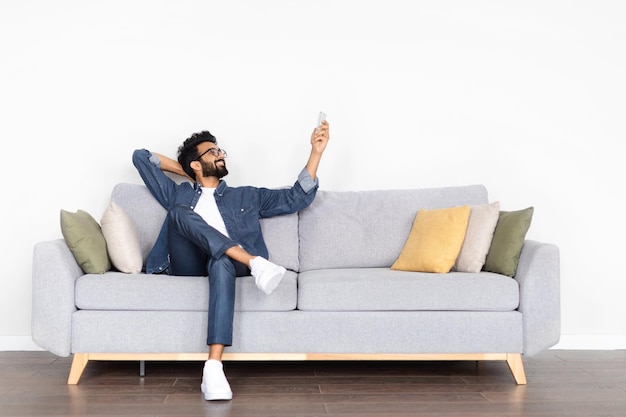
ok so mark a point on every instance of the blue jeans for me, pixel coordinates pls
(197, 249)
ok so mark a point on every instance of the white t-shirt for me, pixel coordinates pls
(207, 209)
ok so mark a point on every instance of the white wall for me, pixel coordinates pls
(525, 97)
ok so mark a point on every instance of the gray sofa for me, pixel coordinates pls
(339, 300)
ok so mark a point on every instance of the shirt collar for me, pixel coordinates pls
(220, 188)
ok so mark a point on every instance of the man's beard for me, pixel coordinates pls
(209, 169)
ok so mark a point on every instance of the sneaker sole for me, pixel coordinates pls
(272, 283)
(217, 396)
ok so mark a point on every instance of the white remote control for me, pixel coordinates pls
(321, 118)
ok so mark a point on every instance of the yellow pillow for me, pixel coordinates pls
(435, 240)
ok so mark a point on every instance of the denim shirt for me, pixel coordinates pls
(240, 207)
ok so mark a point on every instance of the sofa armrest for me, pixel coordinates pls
(54, 272)
(538, 275)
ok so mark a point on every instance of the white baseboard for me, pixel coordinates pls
(592, 342)
(568, 342)
(17, 343)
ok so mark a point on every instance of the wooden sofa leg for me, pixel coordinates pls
(514, 360)
(79, 363)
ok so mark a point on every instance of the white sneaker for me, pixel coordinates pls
(214, 384)
(266, 275)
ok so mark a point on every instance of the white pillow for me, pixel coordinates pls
(122, 240)
(480, 227)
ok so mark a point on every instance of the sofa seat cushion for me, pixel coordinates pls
(119, 291)
(383, 289)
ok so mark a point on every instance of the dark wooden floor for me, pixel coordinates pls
(560, 383)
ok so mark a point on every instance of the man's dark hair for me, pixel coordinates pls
(188, 151)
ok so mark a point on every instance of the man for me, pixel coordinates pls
(213, 230)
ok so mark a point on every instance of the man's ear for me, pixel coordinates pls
(197, 169)
(195, 165)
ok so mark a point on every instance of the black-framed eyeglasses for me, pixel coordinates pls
(213, 151)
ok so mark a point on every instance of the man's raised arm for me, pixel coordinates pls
(319, 140)
(171, 165)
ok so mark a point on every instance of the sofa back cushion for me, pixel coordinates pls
(359, 229)
(280, 233)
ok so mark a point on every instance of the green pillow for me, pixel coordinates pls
(84, 237)
(508, 240)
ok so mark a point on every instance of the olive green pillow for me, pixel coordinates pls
(508, 240)
(84, 237)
